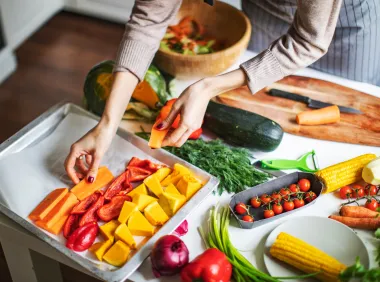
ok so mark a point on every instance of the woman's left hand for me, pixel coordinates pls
(192, 105)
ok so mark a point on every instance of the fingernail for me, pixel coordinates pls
(90, 179)
(160, 125)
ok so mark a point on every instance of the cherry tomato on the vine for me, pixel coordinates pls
(241, 208)
(268, 213)
(277, 208)
(255, 202)
(357, 191)
(370, 190)
(372, 204)
(304, 185)
(248, 218)
(294, 188)
(276, 197)
(345, 192)
(265, 199)
(298, 203)
(284, 192)
(289, 205)
(310, 196)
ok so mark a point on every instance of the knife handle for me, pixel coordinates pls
(288, 95)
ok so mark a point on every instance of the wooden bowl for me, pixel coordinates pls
(221, 21)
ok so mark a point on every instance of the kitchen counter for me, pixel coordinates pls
(17, 242)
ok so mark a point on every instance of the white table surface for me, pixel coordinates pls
(249, 242)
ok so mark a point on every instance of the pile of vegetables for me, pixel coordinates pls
(188, 37)
(232, 166)
(149, 96)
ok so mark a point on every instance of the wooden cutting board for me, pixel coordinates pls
(356, 129)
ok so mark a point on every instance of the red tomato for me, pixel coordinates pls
(358, 191)
(304, 184)
(255, 202)
(372, 204)
(276, 197)
(310, 196)
(265, 199)
(370, 190)
(288, 205)
(345, 192)
(298, 203)
(294, 188)
(248, 218)
(268, 213)
(284, 192)
(240, 208)
(277, 208)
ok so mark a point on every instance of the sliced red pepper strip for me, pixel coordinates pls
(125, 192)
(90, 215)
(83, 205)
(137, 174)
(115, 187)
(127, 182)
(83, 237)
(144, 164)
(112, 209)
(137, 162)
(71, 224)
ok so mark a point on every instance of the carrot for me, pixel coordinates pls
(360, 223)
(84, 189)
(48, 204)
(357, 212)
(321, 116)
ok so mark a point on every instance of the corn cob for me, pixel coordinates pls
(345, 173)
(305, 257)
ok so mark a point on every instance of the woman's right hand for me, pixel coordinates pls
(85, 155)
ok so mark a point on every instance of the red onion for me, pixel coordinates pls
(182, 228)
(169, 256)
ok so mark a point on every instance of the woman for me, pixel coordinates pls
(289, 35)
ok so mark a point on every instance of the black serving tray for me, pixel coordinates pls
(268, 188)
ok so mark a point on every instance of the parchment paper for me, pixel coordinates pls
(28, 176)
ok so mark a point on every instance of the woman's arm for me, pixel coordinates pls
(306, 41)
(141, 40)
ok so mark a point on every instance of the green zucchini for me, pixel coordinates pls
(243, 128)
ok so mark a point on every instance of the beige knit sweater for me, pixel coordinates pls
(305, 42)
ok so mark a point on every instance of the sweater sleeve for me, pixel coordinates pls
(143, 32)
(306, 41)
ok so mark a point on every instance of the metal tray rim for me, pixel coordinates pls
(125, 271)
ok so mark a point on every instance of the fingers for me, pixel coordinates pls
(93, 169)
(168, 121)
(70, 164)
(88, 159)
(172, 138)
(184, 138)
(81, 165)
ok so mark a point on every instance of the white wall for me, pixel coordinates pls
(23, 17)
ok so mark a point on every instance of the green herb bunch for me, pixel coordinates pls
(232, 166)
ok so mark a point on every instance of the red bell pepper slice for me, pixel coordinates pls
(71, 224)
(112, 209)
(196, 134)
(212, 265)
(90, 215)
(137, 174)
(115, 187)
(125, 192)
(83, 237)
(144, 164)
(83, 205)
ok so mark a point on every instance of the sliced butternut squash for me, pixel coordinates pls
(141, 189)
(162, 173)
(188, 186)
(118, 254)
(100, 248)
(126, 211)
(145, 94)
(142, 201)
(139, 225)
(122, 233)
(171, 203)
(84, 189)
(60, 210)
(172, 189)
(155, 214)
(153, 184)
(108, 229)
(157, 136)
(48, 204)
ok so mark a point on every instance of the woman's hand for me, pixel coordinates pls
(192, 105)
(91, 148)
(87, 152)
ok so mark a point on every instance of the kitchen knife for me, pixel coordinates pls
(310, 102)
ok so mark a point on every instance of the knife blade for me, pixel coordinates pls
(310, 102)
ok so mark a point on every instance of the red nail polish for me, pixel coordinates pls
(160, 125)
(90, 179)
